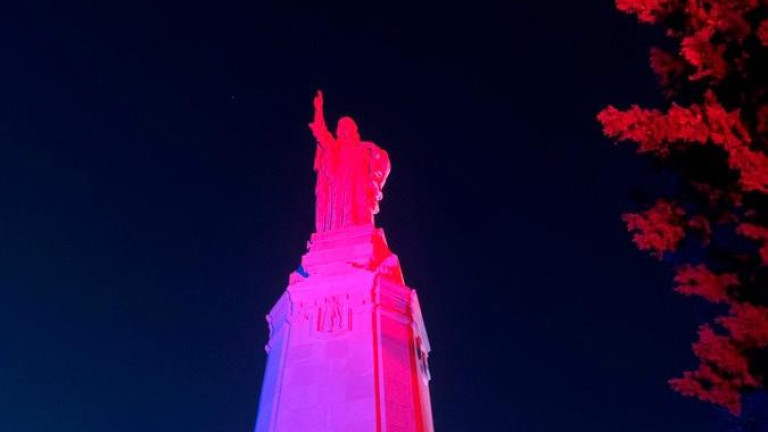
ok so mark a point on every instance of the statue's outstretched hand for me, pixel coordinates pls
(318, 102)
(319, 129)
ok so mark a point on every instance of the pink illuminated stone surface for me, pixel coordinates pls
(347, 349)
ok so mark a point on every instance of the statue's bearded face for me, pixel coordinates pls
(346, 130)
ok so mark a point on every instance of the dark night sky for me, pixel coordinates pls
(156, 189)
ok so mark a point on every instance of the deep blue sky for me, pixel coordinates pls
(156, 189)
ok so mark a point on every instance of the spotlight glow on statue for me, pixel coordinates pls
(347, 344)
(350, 174)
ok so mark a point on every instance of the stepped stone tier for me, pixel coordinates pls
(347, 349)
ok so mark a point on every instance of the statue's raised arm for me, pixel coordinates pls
(325, 157)
(318, 126)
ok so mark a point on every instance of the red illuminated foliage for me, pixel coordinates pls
(747, 325)
(668, 68)
(648, 11)
(658, 229)
(723, 372)
(714, 136)
(700, 281)
(762, 32)
(759, 233)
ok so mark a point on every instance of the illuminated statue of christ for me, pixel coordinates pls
(350, 174)
(347, 350)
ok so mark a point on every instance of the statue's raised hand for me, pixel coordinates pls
(318, 102)
(323, 136)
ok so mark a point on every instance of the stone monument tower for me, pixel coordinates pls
(347, 348)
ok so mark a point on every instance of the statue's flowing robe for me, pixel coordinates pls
(350, 178)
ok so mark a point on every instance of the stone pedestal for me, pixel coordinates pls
(347, 349)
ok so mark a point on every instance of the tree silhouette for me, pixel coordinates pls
(714, 136)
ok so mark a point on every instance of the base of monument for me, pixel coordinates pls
(348, 349)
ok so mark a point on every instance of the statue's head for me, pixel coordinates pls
(346, 130)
